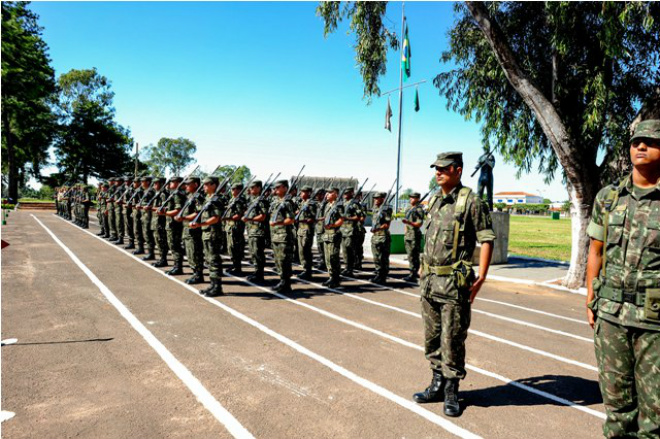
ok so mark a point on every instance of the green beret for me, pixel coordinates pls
(256, 183)
(238, 185)
(281, 183)
(649, 129)
(191, 180)
(415, 195)
(445, 159)
(177, 179)
(307, 188)
(380, 195)
(212, 179)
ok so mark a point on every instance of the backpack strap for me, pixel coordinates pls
(459, 217)
(610, 202)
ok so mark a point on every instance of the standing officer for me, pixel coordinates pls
(380, 238)
(623, 298)
(349, 230)
(448, 283)
(159, 221)
(129, 206)
(110, 208)
(235, 229)
(105, 187)
(171, 208)
(192, 238)
(320, 246)
(306, 217)
(100, 201)
(282, 219)
(361, 231)
(256, 224)
(119, 211)
(414, 218)
(211, 225)
(332, 221)
(145, 218)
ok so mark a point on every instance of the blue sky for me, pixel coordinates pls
(256, 83)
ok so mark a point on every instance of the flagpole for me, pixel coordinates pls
(137, 148)
(398, 152)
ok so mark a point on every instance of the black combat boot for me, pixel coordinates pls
(305, 275)
(150, 256)
(347, 272)
(176, 270)
(140, 249)
(214, 290)
(411, 278)
(379, 280)
(256, 278)
(434, 392)
(196, 278)
(283, 287)
(235, 271)
(111, 238)
(162, 262)
(452, 407)
(101, 233)
(334, 283)
(131, 245)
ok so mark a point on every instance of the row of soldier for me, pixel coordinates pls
(73, 203)
(204, 218)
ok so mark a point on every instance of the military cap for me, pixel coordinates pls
(256, 183)
(307, 188)
(177, 179)
(349, 190)
(334, 188)
(649, 129)
(160, 180)
(281, 183)
(191, 180)
(146, 178)
(448, 158)
(119, 178)
(128, 178)
(238, 185)
(415, 195)
(212, 179)
(380, 195)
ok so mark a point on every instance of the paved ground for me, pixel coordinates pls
(111, 347)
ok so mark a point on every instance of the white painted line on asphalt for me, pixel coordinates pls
(549, 314)
(9, 341)
(407, 404)
(5, 415)
(401, 341)
(196, 387)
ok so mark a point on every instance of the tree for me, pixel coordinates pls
(556, 84)
(433, 184)
(406, 194)
(242, 175)
(170, 154)
(28, 91)
(91, 143)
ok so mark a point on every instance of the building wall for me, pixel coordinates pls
(518, 199)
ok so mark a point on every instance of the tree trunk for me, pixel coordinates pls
(12, 174)
(580, 216)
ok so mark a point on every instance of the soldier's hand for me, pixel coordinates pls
(194, 225)
(591, 318)
(475, 288)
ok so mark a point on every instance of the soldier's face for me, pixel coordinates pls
(191, 187)
(235, 191)
(145, 184)
(173, 185)
(645, 152)
(414, 201)
(331, 196)
(209, 188)
(305, 195)
(281, 190)
(448, 175)
(320, 196)
(136, 184)
(378, 201)
(157, 186)
(255, 191)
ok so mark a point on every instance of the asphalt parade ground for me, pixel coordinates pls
(110, 347)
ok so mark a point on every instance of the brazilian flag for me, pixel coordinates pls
(405, 55)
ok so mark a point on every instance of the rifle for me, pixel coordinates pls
(253, 205)
(288, 195)
(156, 195)
(162, 207)
(142, 174)
(233, 201)
(389, 199)
(190, 199)
(479, 166)
(315, 194)
(130, 200)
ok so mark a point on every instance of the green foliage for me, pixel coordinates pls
(7, 206)
(170, 154)
(91, 142)
(405, 195)
(28, 92)
(433, 184)
(499, 206)
(373, 39)
(242, 175)
(566, 207)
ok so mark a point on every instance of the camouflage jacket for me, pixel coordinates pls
(381, 215)
(351, 208)
(307, 211)
(257, 207)
(176, 202)
(214, 207)
(281, 233)
(331, 216)
(632, 253)
(476, 225)
(236, 206)
(415, 215)
(158, 220)
(320, 211)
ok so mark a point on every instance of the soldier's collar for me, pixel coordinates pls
(627, 184)
(454, 191)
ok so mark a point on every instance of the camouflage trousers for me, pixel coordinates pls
(235, 245)
(192, 239)
(359, 248)
(106, 223)
(119, 220)
(99, 217)
(283, 253)
(348, 250)
(211, 240)
(629, 378)
(305, 240)
(332, 246)
(137, 226)
(129, 223)
(174, 232)
(445, 330)
(147, 231)
(257, 246)
(413, 248)
(320, 246)
(112, 222)
(380, 249)
(160, 235)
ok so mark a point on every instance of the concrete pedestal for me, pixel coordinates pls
(501, 250)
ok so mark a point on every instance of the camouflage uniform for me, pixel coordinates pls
(110, 208)
(176, 200)
(235, 231)
(145, 219)
(627, 304)
(413, 237)
(319, 230)
(282, 238)
(256, 232)
(211, 238)
(192, 238)
(381, 241)
(128, 214)
(119, 213)
(159, 224)
(349, 234)
(136, 219)
(360, 234)
(305, 233)
(332, 241)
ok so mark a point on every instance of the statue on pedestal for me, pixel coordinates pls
(486, 164)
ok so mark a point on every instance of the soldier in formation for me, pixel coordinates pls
(413, 219)
(235, 229)
(256, 220)
(192, 237)
(282, 219)
(332, 221)
(623, 291)
(159, 220)
(381, 238)
(305, 218)
(170, 208)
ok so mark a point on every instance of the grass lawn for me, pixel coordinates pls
(33, 200)
(540, 237)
